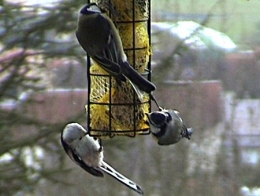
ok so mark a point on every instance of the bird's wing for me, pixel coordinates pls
(94, 171)
(112, 172)
(75, 158)
(109, 57)
(108, 65)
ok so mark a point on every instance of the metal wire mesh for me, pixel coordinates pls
(114, 109)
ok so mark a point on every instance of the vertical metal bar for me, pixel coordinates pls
(110, 94)
(134, 63)
(150, 42)
(89, 91)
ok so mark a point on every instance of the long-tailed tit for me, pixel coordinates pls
(87, 152)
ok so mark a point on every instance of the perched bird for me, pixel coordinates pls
(87, 152)
(167, 126)
(98, 36)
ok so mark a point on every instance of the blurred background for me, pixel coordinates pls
(206, 64)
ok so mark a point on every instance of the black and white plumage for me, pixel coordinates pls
(167, 126)
(87, 152)
(98, 36)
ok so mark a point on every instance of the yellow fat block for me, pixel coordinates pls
(125, 10)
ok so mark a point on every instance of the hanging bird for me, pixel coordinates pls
(98, 36)
(167, 126)
(87, 152)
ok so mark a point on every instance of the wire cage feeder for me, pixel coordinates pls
(114, 109)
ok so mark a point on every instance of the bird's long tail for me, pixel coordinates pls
(112, 172)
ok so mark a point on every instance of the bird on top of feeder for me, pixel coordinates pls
(167, 126)
(98, 36)
(87, 152)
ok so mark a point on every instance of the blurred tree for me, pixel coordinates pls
(30, 38)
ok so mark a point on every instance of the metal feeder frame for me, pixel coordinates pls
(131, 133)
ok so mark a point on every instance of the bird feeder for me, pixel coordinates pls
(114, 109)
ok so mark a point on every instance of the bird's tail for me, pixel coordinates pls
(187, 132)
(137, 79)
(112, 172)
